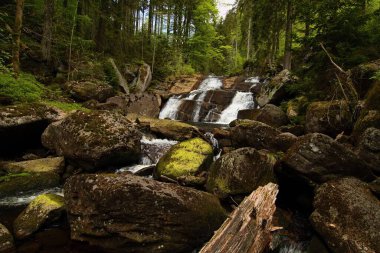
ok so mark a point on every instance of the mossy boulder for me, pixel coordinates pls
(370, 115)
(6, 240)
(42, 210)
(347, 216)
(319, 158)
(240, 172)
(363, 76)
(127, 213)
(21, 126)
(15, 183)
(185, 158)
(93, 140)
(54, 165)
(269, 114)
(369, 148)
(89, 90)
(329, 117)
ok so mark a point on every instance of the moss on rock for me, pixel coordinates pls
(185, 158)
(45, 208)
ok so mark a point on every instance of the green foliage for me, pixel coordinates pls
(24, 89)
(377, 76)
(66, 107)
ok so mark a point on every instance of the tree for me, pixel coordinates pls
(47, 34)
(17, 37)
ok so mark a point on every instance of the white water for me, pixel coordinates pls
(26, 198)
(172, 106)
(241, 101)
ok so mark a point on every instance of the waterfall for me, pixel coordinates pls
(241, 101)
(173, 105)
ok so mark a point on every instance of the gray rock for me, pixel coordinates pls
(89, 90)
(269, 114)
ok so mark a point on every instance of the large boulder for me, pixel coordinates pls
(53, 165)
(89, 90)
(144, 78)
(126, 213)
(319, 158)
(143, 104)
(347, 216)
(43, 209)
(269, 114)
(363, 76)
(240, 172)
(21, 126)
(274, 92)
(185, 158)
(94, 139)
(369, 148)
(254, 134)
(329, 117)
(6, 240)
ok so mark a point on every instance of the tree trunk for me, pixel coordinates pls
(122, 82)
(249, 227)
(288, 36)
(47, 34)
(16, 37)
(249, 38)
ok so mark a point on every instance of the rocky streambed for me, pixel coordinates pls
(121, 181)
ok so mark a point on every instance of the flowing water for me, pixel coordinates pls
(240, 101)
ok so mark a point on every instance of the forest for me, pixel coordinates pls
(189, 126)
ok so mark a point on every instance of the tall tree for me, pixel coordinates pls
(17, 37)
(47, 34)
(288, 36)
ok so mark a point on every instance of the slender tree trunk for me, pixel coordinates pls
(16, 37)
(249, 38)
(47, 34)
(288, 36)
(168, 22)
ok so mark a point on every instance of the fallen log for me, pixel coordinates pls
(248, 229)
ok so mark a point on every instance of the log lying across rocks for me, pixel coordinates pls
(248, 229)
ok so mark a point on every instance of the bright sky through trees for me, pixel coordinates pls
(224, 6)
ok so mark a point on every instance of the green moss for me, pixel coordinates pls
(24, 89)
(9, 177)
(185, 158)
(66, 107)
(51, 200)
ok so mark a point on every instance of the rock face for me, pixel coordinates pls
(319, 158)
(185, 84)
(369, 148)
(185, 158)
(269, 114)
(126, 213)
(143, 104)
(94, 139)
(6, 240)
(329, 118)
(240, 172)
(21, 126)
(89, 90)
(144, 78)
(254, 134)
(45, 208)
(347, 216)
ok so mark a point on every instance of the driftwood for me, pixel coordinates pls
(122, 82)
(248, 229)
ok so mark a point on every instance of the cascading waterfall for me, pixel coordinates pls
(171, 108)
(241, 101)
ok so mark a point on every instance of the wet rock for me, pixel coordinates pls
(319, 158)
(42, 210)
(254, 134)
(329, 118)
(53, 165)
(185, 158)
(93, 140)
(347, 216)
(21, 126)
(143, 104)
(185, 84)
(126, 213)
(89, 90)
(13, 184)
(369, 148)
(240, 172)
(6, 240)
(144, 78)
(269, 114)
(171, 129)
